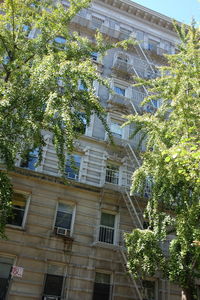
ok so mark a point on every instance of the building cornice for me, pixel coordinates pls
(140, 12)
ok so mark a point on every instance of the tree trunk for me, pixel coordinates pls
(187, 294)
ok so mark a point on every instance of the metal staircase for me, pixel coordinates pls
(133, 208)
(137, 284)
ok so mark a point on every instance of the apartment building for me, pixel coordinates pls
(66, 240)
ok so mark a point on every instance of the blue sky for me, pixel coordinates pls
(181, 10)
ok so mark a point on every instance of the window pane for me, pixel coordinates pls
(116, 129)
(101, 291)
(53, 285)
(96, 23)
(119, 90)
(72, 166)
(80, 124)
(5, 268)
(149, 290)
(60, 40)
(19, 204)
(94, 55)
(31, 160)
(101, 287)
(102, 278)
(65, 208)
(82, 86)
(108, 220)
(63, 220)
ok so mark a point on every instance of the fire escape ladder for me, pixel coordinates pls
(133, 107)
(135, 212)
(135, 284)
(144, 88)
(147, 59)
(131, 154)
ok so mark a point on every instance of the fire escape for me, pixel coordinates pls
(131, 201)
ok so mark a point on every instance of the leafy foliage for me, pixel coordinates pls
(171, 160)
(43, 64)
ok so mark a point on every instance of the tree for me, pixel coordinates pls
(171, 166)
(42, 67)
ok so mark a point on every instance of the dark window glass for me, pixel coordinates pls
(148, 290)
(73, 166)
(60, 42)
(30, 161)
(64, 216)
(5, 269)
(80, 125)
(101, 287)
(120, 91)
(19, 205)
(94, 56)
(53, 285)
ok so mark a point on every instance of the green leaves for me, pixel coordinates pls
(144, 254)
(172, 140)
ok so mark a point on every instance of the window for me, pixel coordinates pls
(152, 46)
(5, 270)
(112, 174)
(102, 287)
(80, 124)
(60, 42)
(148, 187)
(53, 287)
(82, 86)
(119, 90)
(149, 290)
(122, 58)
(124, 33)
(107, 228)
(64, 219)
(19, 204)
(116, 129)
(94, 56)
(73, 166)
(96, 23)
(30, 161)
(156, 103)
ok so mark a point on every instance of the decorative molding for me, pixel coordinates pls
(139, 11)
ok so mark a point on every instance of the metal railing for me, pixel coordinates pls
(112, 176)
(106, 234)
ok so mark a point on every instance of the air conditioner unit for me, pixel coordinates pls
(63, 231)
(51, 298)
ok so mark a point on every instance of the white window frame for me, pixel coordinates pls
(71, 203)
(123, 85)
(116, 227)
(113, 118)
(25, 210)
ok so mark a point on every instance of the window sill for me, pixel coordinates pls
(105, 245)
(64, 237)
(15, 227)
